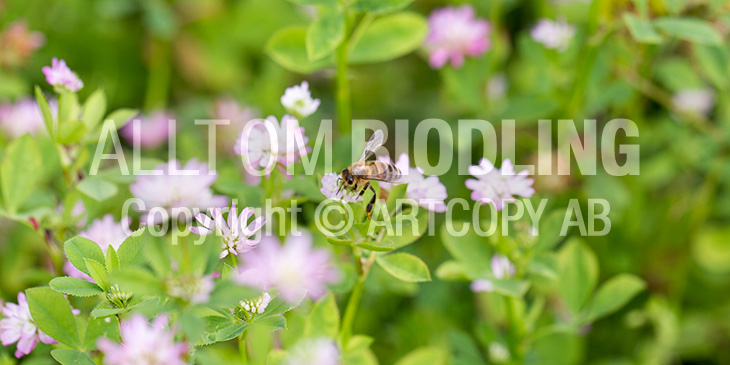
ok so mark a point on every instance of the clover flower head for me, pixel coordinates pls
(59, 75)
(17, 326)
(427, 192)
(331, 189)
(320, 351)
(150, 131)
(455, 33)
(294, 270)
(270, 142)
(258, 305)
(191, 288)
(144, 343)
(188, 187)
(553, 34)
(502, 268)
(237, 235)
(497, 186)
(298, 100)
(699, 101)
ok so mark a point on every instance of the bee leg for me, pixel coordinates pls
(369, 209)
(340, 184)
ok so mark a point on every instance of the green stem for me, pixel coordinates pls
(344, 112)
(515, 333)
(242, 347)
(354, 302)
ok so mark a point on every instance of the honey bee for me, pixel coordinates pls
(356, 176)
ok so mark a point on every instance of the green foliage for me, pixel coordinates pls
(79, 249)
(19, 172)
(75, 286)
(578, 274)
(52, 314)
(404, 266)
(389, 37)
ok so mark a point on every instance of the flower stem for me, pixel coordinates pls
(344, 112)
(353, 303)
(242, 347)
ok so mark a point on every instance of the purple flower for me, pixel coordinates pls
(298, 100)
(187, 188)
(698, 101)
(58, 74)
(104, 232)
(502, 268)
(285, 146)
(153, 130)
(143, 343)
(496, 186)
(235, 233)
(17, 326)
(237, 116)
(553, 34)
(455, 33)
(24, 117)
(427, 192)
(331, 186)
(294, 269)
(320, 351)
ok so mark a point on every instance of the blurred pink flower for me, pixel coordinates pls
(285, 146)
(23, 117)
(143, 343)
(427, 192)
(18, 43)
(320, 351)
(298, 100)
(58, 74)
(455, 33)
(331, 186)
(553, 34)
(153, 130)
(502, 268)
(699, 101)
(235, 233)
(17, 326)
(188, 187)
(496, 186)
(104, 232)
(294, 269)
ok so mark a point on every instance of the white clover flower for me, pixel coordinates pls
(236, 233)
(331, 189)
(298, 100)
(427, 192)
(258, 305)
(320, 351)
(497, 186)
(553, 34)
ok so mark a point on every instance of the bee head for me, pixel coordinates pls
(346, 177)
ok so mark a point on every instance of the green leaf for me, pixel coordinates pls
(106, 312)
(46, 112)
(79, 248)
(470, 249)
(324, 319)
(578, 274)
(131, 251)
(112, 259)
(510, 287)
(325, 33)
(287, 47)
(51, 312)
(97, 188)
(71, 131)
(379, 246)
(100, 327)
(404, 266)
(425, 355)
(119, 117)
(389, 37)
(94, 109)
(379, 6)
(454, 270)
(549, 231)
(641, 29)
(690, 29)
(72, 357)
(409, 232)
(230, 332)
(398, 192)
(98, 273)
(613, 295)
(68, 108)
(74, 286)
(19, 171)
(273, 323)
(713, 62)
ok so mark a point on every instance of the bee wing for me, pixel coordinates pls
(360, 170)
(376, 140)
